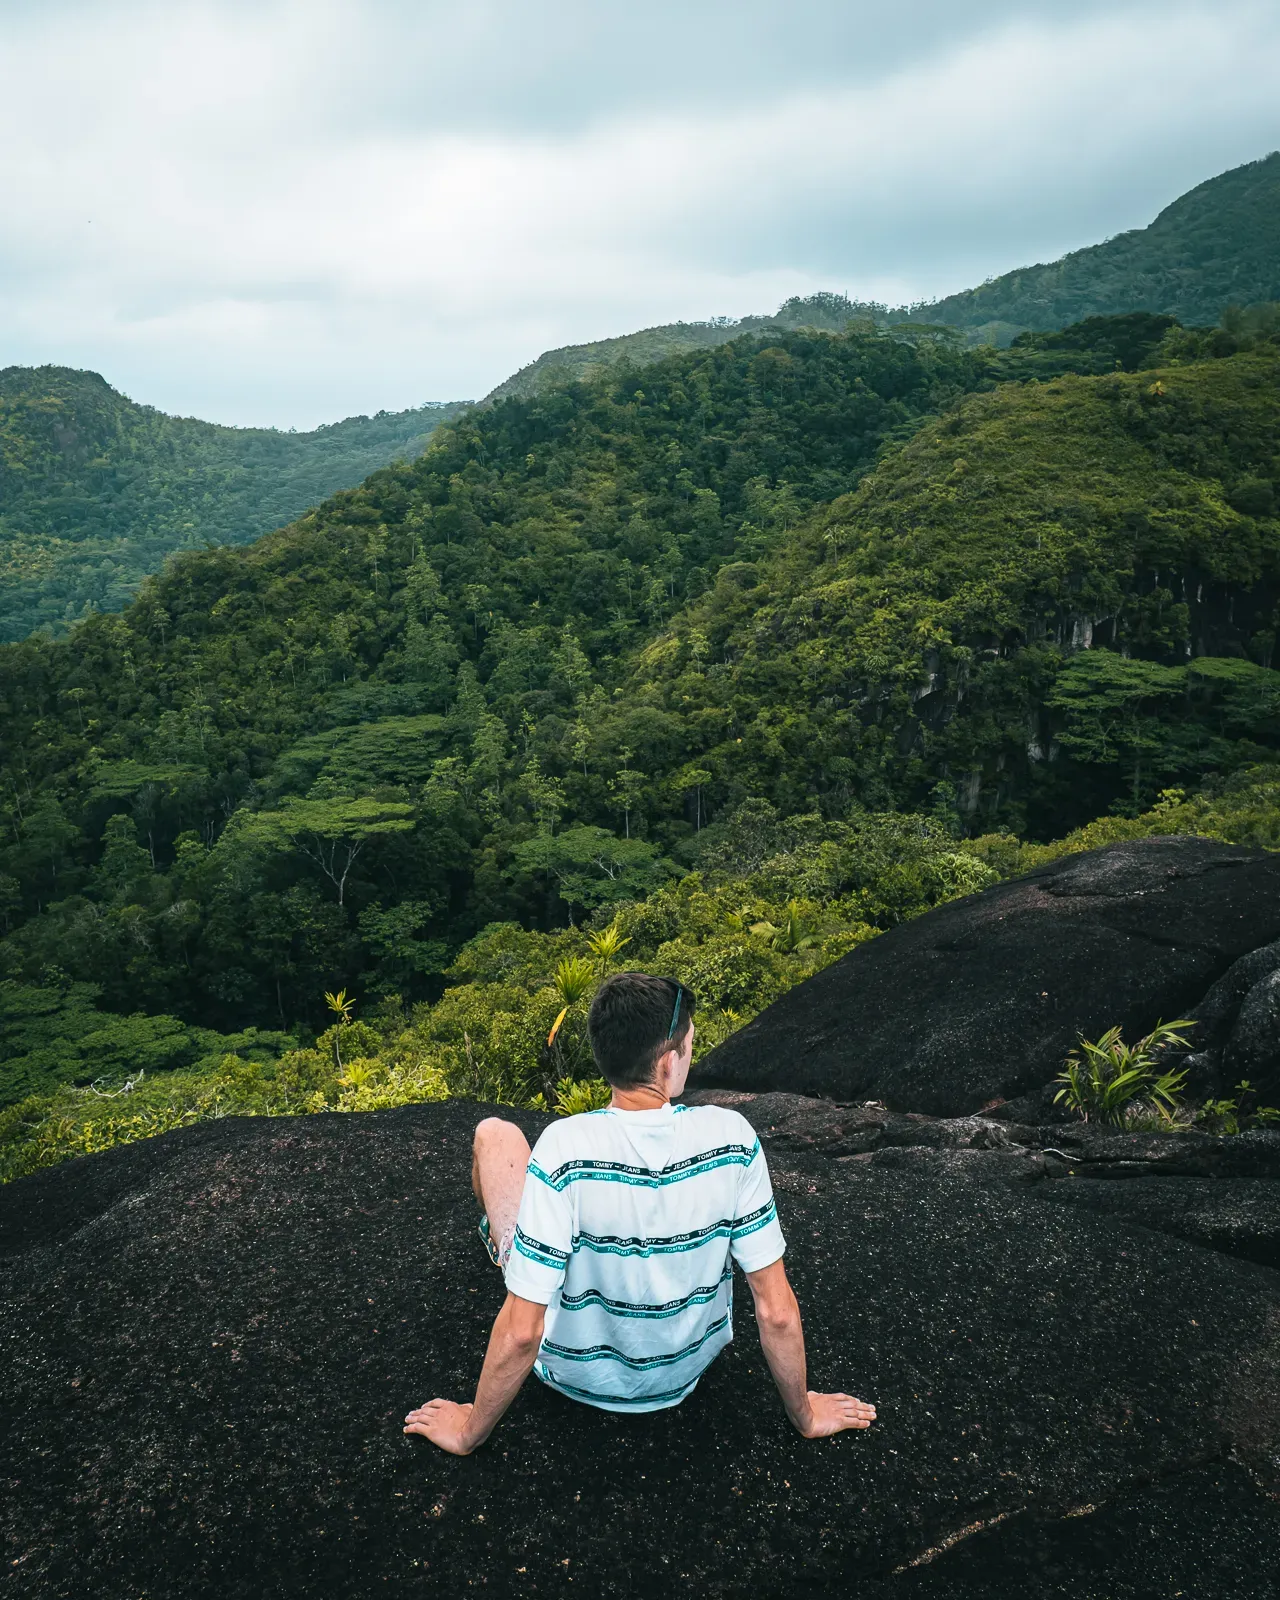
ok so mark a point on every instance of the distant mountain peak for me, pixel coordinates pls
(1216, 245)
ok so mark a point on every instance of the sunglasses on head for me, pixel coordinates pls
(675, 1013)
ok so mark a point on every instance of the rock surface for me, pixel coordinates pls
(210, 1340)
(1252, 1052)
(975, 1005)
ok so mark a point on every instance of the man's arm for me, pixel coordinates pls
(513, 1348)
(782, 1339)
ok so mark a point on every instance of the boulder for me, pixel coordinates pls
(1216, 1014)
(210, 1341)
(1239, 1216)
(1237, 1033)
(974, 1006)
(1252, 1052)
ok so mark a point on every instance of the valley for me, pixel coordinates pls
(737, 659)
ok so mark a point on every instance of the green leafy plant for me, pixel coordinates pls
(342, 1008)
(796, 933)
(339, 1004)
(1237, 1114)
(1106, 1080)
(607, 945)
(359, 1074)
(572, 1097)
(574, 978)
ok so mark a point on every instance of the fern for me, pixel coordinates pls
(1106, 1080)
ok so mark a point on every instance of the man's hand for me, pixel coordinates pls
(782, 1340)
(513, 1348)
(444, 1422)
(833, 1413)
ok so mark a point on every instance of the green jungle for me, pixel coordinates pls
(719, 665)
(96, 491)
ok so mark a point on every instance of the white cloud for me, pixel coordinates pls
(215, 207)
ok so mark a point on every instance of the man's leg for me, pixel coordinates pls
(499, 1156)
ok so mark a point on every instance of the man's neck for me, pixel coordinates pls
(643, 1097)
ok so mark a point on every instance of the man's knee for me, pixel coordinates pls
(494, 1132)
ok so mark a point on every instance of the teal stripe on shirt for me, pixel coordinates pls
(627, 1308)
(676, 1244)
(757, 1219)
(620, 1172)
(608, 1352)
(606, 1244)
(645, 1400)
(544, 1255)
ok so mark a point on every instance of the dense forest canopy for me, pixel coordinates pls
(924, 633)
(96, 491)
(534, 675)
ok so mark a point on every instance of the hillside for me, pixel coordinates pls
(1216, 246)
(539, 671)
(95, 491)
(575, 362)
(422, 663)
(933, 625)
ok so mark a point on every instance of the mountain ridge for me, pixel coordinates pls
(97, 489)
(815, 571)
(748, 656)
(1040, 297)
(80, 527)
(1220, 243)
(575, 363)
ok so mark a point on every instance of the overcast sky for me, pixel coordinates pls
(290, 212)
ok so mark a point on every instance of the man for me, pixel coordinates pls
(617, 1236)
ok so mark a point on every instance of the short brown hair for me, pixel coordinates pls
(633, 1019)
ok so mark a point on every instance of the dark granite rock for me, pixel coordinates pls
(1104, 1152)
(209, 1347)
(1253, 1051)
(1197, 1536)
(976, 1004)
(1239, 1216)
(797, 1122)
(1217, 1012)
(1227, 1049)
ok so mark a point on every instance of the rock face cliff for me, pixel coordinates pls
(978, 1002)
(210, 1341)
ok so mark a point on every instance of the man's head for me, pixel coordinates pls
(639, 1025)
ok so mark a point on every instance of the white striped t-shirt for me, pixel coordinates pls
(628, 1227)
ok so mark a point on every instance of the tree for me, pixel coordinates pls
(125, 870)
(42, 856)
(593, 867)
(1238, 697)
(1110, 708)
(626, 790)
(331, 833)
(570, 668)
(545, 795)
(431, 656)
(403, 957)
(692, 778)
